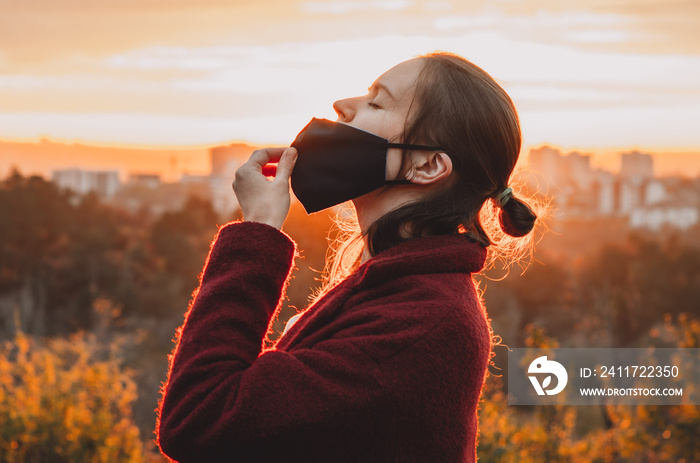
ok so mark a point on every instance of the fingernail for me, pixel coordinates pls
(292, 154)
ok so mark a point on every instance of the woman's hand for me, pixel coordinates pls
(262, 199)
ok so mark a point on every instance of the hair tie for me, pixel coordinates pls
(503, 197)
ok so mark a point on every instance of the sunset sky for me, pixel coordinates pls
(584, 74)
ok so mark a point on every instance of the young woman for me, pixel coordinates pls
(389, 363)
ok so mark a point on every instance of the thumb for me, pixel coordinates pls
(286, 165)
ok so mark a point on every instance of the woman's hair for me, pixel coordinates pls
(461, 109)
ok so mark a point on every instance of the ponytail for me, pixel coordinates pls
(516, 217)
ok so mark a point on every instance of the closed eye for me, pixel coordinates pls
(374, 105)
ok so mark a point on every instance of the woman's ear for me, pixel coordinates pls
(430, 167)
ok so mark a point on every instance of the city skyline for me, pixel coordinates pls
(589, 77)
(45, 156)
(575, 188)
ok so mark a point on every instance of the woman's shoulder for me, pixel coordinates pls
(422, 293)
(410, 308)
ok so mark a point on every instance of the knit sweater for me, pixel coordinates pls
(388, 366)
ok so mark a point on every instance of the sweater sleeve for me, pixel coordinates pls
(224, 399)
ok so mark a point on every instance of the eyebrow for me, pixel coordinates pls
(380, 86)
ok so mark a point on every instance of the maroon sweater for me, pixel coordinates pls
(386, 367)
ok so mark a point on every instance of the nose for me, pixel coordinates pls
(345, 109)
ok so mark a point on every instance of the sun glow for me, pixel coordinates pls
(573, 80)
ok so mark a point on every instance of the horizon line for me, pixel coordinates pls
(600, 150)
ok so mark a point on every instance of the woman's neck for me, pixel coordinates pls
(365, 221)
(366, 217)
(365, 254)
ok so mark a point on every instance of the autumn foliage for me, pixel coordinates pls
(66, 400)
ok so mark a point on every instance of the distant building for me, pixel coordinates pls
(630, 194)
(166, 197)
(655, 192)
(647, 202)
(656, 217)
(225, 160)
(546, 162)
(150, 181)
(223, 199)
(104, 183)
(158, 197)
(578, 170)
(636, 165)
(568, 179)
(561, 170)
(189, 179)
(604, 193)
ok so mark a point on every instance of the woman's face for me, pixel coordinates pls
(384, 110)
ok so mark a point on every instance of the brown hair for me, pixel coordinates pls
(460, 108)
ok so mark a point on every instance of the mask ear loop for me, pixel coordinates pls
(410, 147)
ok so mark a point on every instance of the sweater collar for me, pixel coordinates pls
(433, 254)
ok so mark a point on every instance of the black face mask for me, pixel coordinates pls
(337, 163)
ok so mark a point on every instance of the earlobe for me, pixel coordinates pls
(432, 167)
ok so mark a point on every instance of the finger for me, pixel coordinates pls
(261, 157)
(286, 165)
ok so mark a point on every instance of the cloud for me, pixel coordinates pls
(291, 82)
(149, 129)
(649, 26)
(284, 61)
(654, 26)
(537, 20)
(346, 6)
(44, 35)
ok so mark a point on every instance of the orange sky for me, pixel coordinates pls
(584, 75)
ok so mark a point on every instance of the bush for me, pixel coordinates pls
(66, 400)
